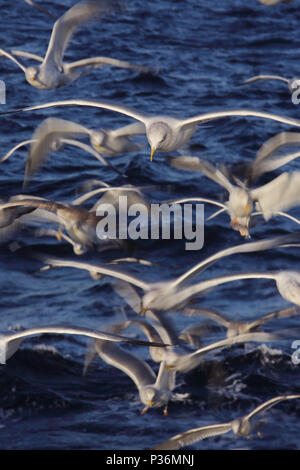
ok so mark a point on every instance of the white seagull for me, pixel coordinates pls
(235, 327)
(292, 83)
(240, 427)
(53, 134)
(166, 295)
(164, 133)
(177, 356)
(271, 199)
(80, 223)
(154, 391)
(53, 71)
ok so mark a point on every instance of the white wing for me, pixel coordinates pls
(138, 370)
(281, 193)
(131, 129)
(268, 404)
(95, 62)
(276, 142)
(91, 103)
(196, 164)
(266, 77)
(239, 112)
(242, 248)
(193, 435)
(16, 147)
(12, 57)
(266, 158)
(96, 269)
(46, 135)
(183, 295)
(28, 55)
(187, 362)
(66, 25)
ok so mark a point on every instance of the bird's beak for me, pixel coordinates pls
(150, 403)
(153, 149)
(247, 208)
(169, 367)
(33, 79)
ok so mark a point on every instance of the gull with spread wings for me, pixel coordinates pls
(154, 390)
(164, 133)
(271, 199)
(53, 71)
(54, 133)
(240, 427)
(166, 295)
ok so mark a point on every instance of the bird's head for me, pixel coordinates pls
(98, 139)
(31, 75)
(239, 203)
(153, 397)
(158, 134)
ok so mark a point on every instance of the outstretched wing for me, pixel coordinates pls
(282, 193)
(95, 62)
(66, 25)
(193, 435)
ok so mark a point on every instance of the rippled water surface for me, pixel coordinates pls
(203, 51)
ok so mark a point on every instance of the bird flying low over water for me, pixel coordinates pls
(53, 72)
(271, 199)
(242, 426)
(164, 133)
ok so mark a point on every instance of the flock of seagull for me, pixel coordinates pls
(172, 352)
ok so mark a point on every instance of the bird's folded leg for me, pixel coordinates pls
(144, 410)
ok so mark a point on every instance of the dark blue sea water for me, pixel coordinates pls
(203, 51)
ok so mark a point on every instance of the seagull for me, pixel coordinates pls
(240, 427)
(53, 134)
(177, 356)
(53, 71)
(154, 391)
(11, 340)
(165, 295)
(238, 327)
(287, 282)
(271, 199)
(164, 133)
(79, 223)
